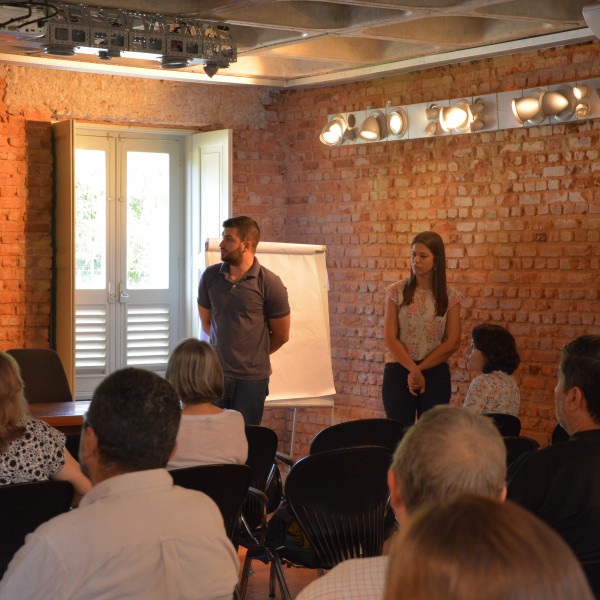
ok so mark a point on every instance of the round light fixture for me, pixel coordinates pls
(397, 122)
(333, 131)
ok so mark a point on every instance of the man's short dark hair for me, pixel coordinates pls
(580, 367)
(135, 414)
(247, 227)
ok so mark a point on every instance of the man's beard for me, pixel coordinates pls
(232, 258)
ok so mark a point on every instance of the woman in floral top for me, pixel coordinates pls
(494, 354)
(31, 450)
(421, 331)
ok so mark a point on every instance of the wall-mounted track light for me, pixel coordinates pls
(560, 103)
(488, 112)
(460, 117)
(373, 127)
(338, 130)
(397, 122)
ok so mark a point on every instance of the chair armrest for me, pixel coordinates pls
(286, 459)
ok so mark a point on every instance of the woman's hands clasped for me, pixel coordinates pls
(416, 382)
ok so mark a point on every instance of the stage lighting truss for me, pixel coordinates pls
(174, 41)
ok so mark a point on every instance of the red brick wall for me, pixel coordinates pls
(519, 209)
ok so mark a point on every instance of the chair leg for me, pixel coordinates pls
(272, 579)
(277, 567)
(243, 585)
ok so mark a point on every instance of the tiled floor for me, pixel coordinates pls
(258, 584)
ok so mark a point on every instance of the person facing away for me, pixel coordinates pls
(476, 548)
(561, 483)
(31, 450)
(244, 310)
(493, 354)
(421, 331)
(207, 434)
(448, 452)
(135, 534)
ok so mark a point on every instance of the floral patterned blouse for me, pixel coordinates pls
(420, 329)
(37, 455)
(495, 392)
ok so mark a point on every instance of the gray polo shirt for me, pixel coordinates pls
(240, 313)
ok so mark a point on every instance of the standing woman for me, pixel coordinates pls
(421, 331)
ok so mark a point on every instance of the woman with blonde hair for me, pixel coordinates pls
(478, 548)
(207, 434)
(31, 450)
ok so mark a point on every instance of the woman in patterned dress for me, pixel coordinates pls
(31, 450)
(494, 355)
(421, 331)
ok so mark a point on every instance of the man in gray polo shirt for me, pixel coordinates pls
(244, 309)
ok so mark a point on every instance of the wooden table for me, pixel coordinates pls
(65, 416)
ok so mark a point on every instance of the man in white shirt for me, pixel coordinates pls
(135, 534)
(448, 452)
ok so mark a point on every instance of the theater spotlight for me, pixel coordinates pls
(338, 130)
(397, 122)
(563, 102)
(527, 109)
(373, 127)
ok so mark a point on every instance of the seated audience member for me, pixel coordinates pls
(207, 434)
(135, 534)
(476, 548)
(449, 451)
(493, 354)
(31, 450)
(561, 483)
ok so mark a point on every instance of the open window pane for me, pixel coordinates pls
(147, 220)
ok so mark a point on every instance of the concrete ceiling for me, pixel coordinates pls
(301, 43)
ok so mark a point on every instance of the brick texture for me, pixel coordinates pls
(519, 209)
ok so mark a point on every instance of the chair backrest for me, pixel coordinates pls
(24, 506)
(43, 375)
(226, 484)
(362, 432)
(262, 447)
(592, 572)
(508, 425)
(518, 445)
(340, 498)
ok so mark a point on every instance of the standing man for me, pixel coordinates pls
(244, 309)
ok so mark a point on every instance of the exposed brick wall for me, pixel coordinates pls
(519, 209)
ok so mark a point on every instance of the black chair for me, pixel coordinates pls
(25, 506)
(592, 572)
(226, 484)
(43, 375)
(362, 432)
(508, 425)
(340, 499)
(264, 496)
(516, 446)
